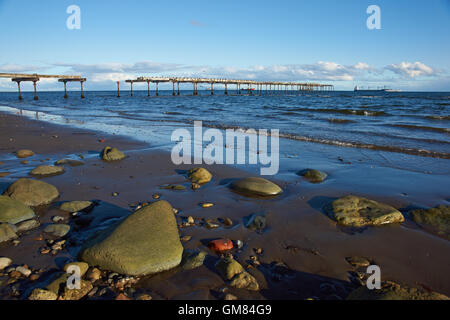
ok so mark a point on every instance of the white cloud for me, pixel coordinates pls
(411, 69)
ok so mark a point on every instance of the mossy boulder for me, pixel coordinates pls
(193, 259)
(32, 192)
(7, 232)
(353, 211)
(233, 272)
(27, 225)
(313, 175)
(145, 242)
(435, 219)
(256, 186)
(24, 153)
(112, 154)
(45, 170)
(394, 291)
(75, 206)
(13, 211)
(199, 175)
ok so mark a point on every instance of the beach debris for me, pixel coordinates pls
(24, 153)
(114, 194)
(313, 175)
(436, 219)
(195, 186)
(228, 222)
(190, 220)
(57, 219)
(207, 205)
(255, 186)
(239, 244)
(234, 273)
(45, 170)
(211, 225)
(255, 222)
(358, 262)
(156, 196)
(5, 262)
(394, 291)
(220, 245)
(58, 230)
(75, 206)
(32, 192)
(42, 294)
(185, 238)
(112, 154)
(24, 271)
(353, 211)
(14, 211)
(192, 259)
(199, 175)
(173, 187)
(152, 232)
(7, 232)
(70, 162)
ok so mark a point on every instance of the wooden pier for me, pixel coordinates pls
(260, 87)
(20, 77)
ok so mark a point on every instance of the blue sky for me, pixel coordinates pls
(294, 40)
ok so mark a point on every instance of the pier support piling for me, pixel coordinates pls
(118, 92)
(35, 93)
(81, 86)
(20, 93)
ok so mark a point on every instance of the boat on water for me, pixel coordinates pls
(368, 89)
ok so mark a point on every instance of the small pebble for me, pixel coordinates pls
(207, 205)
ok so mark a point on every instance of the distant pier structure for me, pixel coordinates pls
(252, 87)
(20, 77)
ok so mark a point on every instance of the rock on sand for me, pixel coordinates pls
(75, 206)
(146, 242)
(199, 175)
(24, 153)
(13, 211)
(353, 211)
(256, 186)
(32, 192)
(45, 170)
(112, 154)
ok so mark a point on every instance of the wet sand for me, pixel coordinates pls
(299, 234)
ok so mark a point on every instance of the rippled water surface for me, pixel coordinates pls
(409, 123)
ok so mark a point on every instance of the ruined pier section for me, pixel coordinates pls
(20, 77)
(249, 86)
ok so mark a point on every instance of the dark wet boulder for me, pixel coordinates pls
(112, 154)
(145, 242)
(436, 220)
(256, 222)
(394, 291)
(45, 170)
(256, 186)
(32, 192)
(313, 175)
(13, 211)
(353, 211)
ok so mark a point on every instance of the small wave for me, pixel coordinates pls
(354, 112)
(172, 113)
(438, 117)
(425, 128)
(343, 121)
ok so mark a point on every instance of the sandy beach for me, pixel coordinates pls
(300, 254)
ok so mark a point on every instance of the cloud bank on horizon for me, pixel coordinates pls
(103, 76)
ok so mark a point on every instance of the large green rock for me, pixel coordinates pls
(394, 291)
(353, 211)
(313, 175)
(7, 232)
(75, 206)
(146, 242)
(199, 175)
(256, 186)
(436, 219)
(32, 192)
(13, 211)
(112, 154)
(45, 170)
